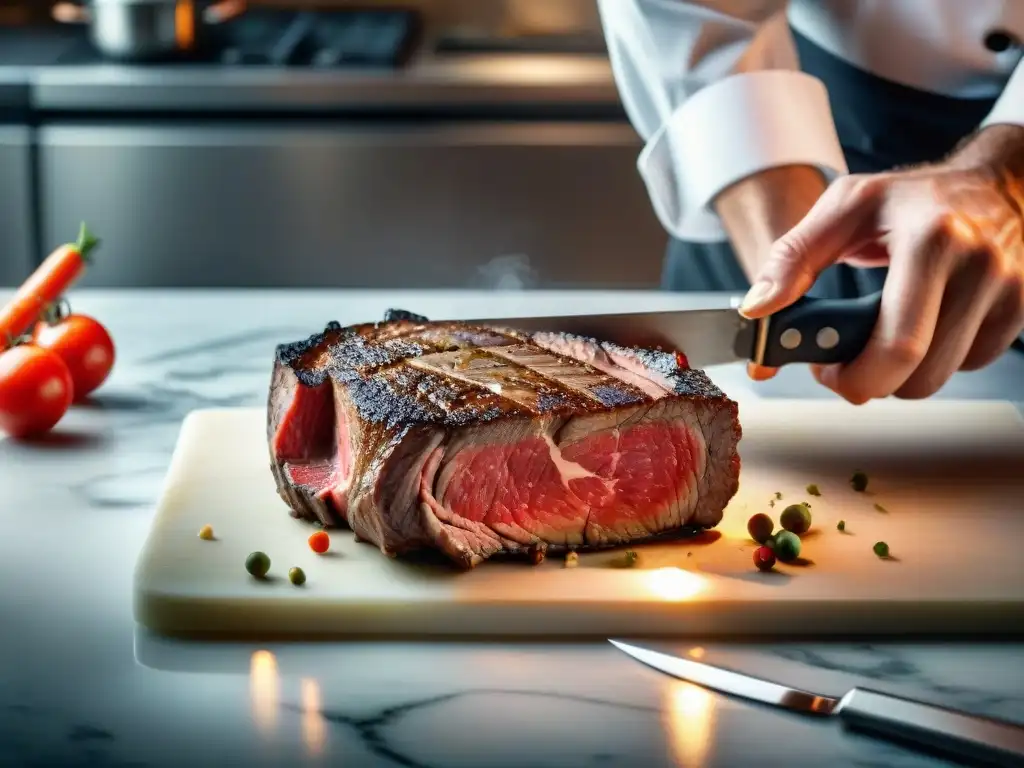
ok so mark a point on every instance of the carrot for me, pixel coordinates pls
(45, 286)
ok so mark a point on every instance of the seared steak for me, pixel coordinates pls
(479, 441)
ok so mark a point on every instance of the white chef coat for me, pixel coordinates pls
(715, 88)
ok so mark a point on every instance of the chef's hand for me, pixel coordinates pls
(952, 236)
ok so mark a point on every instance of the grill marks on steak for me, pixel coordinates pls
(480, 440)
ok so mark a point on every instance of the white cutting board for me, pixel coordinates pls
(949, 474)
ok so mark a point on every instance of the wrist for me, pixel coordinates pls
(758, 210)
(996, 149)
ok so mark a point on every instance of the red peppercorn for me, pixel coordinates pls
(681, 360)
(760, 528)
(764, 558)
(320, 542)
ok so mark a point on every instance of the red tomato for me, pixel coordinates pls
(36, 390)
(84, 344)
(320, 542)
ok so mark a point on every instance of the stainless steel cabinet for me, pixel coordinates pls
(16, 258)
(354, 205)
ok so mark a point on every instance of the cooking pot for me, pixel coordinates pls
(140, 30)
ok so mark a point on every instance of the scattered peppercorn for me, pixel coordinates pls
(859, 481)
(571, 560)
(786, 546)
(206, 533)
(760, 527)
(764, 558)
(812, 490)
(796, 518)
(880, 508)
(297, 576)
(841, 526)
(257, 564)
(881, 549)
(320, 542)
(630, 558)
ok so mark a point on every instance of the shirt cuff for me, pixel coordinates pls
(729, 130)
(1009, 108)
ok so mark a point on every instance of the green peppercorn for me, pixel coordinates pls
(881, 549)
(796, 518)
(859, 481)
(812, 490)
(760, 527)
(257, 564)
(841, 526)
(786, 546)
(297, 576)
(627, 559)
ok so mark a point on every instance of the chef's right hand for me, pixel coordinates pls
(953, 239)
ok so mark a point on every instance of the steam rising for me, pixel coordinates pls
(510, 272)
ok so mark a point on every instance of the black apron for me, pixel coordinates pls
(881, 125)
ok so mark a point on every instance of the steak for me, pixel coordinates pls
(479, 441)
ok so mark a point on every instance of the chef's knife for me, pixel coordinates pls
(809, 331)
(977, 740)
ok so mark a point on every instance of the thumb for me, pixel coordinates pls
(844, 216)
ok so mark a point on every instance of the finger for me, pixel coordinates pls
(969, 297)
(911, 300)
(760, 372)
(871, 253)
(1004, 324)
(845, 215)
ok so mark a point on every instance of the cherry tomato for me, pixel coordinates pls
(320, 542)
(36, 390)
(84, 344)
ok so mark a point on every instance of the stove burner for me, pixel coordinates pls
(381, 38)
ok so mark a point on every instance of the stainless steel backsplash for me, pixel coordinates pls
(500, 17)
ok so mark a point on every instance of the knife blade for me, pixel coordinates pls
(811, 330)
(978, 740)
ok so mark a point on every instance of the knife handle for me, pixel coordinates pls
(820, 331)
(976, 740)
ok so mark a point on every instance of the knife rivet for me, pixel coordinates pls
(827, 338)
(790, 338)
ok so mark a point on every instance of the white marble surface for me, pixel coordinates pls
(79, 687)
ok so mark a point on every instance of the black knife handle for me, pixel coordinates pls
(819, 331)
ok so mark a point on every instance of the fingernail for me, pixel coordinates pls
(828, 376)
(758, 295)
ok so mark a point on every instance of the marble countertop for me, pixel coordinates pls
(79, 686)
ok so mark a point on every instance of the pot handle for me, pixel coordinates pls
(216, 13)
(70, 13)
(225, 10)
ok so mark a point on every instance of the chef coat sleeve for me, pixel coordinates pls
(1009, 108)
(714, 89)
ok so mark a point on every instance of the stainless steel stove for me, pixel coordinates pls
(344, 147)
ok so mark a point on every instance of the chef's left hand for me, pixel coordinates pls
(953, 239)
